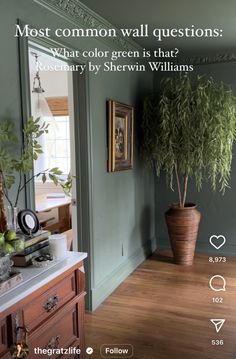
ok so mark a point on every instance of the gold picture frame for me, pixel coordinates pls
(120, 136)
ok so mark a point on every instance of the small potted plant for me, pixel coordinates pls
(188, 132)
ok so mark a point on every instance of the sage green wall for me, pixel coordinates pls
(123, 202)
(218, 212)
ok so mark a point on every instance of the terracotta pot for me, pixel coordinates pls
(183, 224)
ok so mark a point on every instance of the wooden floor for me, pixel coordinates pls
(164, 311)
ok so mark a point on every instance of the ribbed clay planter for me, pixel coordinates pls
(183, 224)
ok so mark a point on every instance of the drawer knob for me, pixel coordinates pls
(51, 303)
(53, 343)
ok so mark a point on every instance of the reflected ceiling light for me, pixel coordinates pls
(40, 106)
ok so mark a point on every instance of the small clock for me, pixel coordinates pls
(28, 221)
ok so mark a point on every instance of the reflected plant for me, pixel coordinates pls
(17, 160)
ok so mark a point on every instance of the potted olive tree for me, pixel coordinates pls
(188, 132)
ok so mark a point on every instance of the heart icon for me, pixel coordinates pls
(217, 241)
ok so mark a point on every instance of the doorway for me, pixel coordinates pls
(80, 151)
(53, 174)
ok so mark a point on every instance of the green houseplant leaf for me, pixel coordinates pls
(188, 131)
(16, 159)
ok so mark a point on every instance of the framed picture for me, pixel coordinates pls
(120, 136)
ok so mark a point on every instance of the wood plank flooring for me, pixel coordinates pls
(164, 311)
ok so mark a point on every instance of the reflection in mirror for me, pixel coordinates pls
(49, 103)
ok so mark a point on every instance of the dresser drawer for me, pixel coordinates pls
(41, 308)
(3, 335)
(61, 331)
(7, 356)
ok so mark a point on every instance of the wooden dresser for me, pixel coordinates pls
(49, 304)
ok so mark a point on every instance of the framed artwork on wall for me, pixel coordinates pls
(120, 136)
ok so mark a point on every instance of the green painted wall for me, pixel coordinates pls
(122, 203)
(218, 212)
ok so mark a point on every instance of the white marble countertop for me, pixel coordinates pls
(34, 278)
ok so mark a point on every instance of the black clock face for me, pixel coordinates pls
(28, 221)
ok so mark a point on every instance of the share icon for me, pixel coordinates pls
(218, 323)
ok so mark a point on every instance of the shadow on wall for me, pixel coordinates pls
(217, 213)
(145, 230)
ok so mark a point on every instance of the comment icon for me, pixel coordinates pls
(217, 283)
